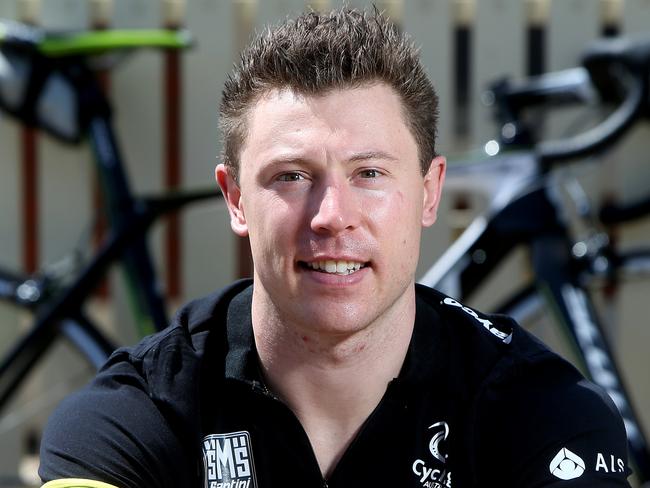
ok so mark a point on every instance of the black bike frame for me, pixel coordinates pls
(130, 219)
(534, 220)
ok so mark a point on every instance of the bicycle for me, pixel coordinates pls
(526, 210)
(47, 80)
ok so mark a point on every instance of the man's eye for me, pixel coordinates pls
(291, 177)
(369, 173)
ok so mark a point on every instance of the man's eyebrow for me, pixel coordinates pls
(285, 159)
(288, 159)
(370, 155)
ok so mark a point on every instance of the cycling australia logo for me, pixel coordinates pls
(439, 436)
(228, 461)
(567, 465)
(435, 474)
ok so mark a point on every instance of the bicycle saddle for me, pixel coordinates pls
(28, 38)
(45, 80)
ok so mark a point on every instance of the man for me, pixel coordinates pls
(331, 368)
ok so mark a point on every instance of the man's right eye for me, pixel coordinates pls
(291, 177)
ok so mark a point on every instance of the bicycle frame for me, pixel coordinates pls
(130, 218)
(526, 212)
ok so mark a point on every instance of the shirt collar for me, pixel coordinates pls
(241, 357)
(426, 358)
(428, 352)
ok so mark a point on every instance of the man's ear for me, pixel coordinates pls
(433, 182)
(232, 195)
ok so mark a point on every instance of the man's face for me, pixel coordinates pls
(333, 199)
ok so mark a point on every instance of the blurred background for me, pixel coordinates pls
(464, 44)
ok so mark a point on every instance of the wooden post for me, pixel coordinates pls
(101, 12)
(611, 15)
(29, 12)
(173, 13)
(464, 12)
(537, 14)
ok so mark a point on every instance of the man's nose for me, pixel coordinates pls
(336, 210)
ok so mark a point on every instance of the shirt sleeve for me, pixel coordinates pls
(112, 431)
(542, 425)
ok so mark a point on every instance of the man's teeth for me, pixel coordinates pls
(338, 267)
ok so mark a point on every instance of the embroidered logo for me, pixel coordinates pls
(433, 474)
(441, 435)
(228, 461)
(506, 337)
(567, 465)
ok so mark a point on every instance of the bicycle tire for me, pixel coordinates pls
(30, 384)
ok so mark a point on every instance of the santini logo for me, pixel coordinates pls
(567, 465)
(228, 461)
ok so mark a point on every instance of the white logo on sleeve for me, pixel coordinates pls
(505, 337)
(567, 465)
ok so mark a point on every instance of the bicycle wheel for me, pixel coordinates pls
(36, 372)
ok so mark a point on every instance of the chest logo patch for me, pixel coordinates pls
(567, 465)
(432, 473)
(441, 430)
(228, 461)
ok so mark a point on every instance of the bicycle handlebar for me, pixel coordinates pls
(612, 213)
(511, 97)
(612, 64)
(614, 71)
(601, 136)
(604, 53)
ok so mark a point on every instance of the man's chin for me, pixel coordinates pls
(341, 320)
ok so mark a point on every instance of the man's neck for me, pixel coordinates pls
(332, 382)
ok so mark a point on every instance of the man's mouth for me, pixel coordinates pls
(334, 267)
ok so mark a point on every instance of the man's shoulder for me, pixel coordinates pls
(502, 366)
(526, 403)
(142, 401)
(188, 331)
(108, 431)
(483, 339)
(539, 413)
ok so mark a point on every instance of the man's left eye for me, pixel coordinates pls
(369, 173)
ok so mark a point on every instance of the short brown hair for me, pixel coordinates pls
(316, 53)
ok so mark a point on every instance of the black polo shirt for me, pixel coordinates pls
(478, 402)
